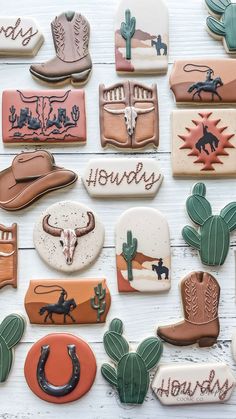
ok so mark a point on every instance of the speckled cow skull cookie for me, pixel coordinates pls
(68, 236)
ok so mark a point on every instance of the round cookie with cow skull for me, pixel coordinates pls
(68, 236)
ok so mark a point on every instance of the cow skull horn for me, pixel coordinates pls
(59, 98)
(115, 111)
(53, 231)
(29, 99)
(81, 231)
(6, 255)
(143, 110)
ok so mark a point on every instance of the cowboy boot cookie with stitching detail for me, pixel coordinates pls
(71, 32)
(200, 297)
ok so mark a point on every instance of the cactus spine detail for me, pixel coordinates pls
(97, 302)
(127, 30)
(129, 252)
(213, 239)
(131, 377)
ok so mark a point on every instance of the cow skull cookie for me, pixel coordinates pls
(68, 236)
(143, 251)
(141, 37)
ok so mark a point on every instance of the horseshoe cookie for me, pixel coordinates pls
(60, 368)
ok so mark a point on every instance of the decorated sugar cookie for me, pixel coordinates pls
(212, 238)
(182, 383)
(204, 143)
(143, 251)
(8, 256)
(67, 301)
(122, 177)
(68, 236)
(141, 37)
(200, 293)
(130, 377)
(60, 368)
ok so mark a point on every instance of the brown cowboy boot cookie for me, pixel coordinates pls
(200, 297)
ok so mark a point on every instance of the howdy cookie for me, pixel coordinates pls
(131, 375)
(19, 36)
(68, 236)
(129, 116)
(177, 384)
(141, 37)
(143, 251)
(8, 256)
(122, 177)
(200, 294)
(204, 143)
(60, 368)
(43, 116)
(69, 301)
(72, 63)
(213, 238)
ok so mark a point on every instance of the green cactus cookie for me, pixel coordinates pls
(131, 376)
(98, 302)
(213, 239)
(11, 331)
(129, 251)
(127, 30)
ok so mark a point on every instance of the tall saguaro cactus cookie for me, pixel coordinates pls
(127, 30)
(213, 239)
(131, 376)
(129, 252)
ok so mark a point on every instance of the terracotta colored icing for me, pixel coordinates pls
(8, 256)
(30, 176)
(67, 301)
(177, 384)
(131, 375)
(122, 177)
(141, 37)
(58, 368)
(19, 36)
(129, 115)
(200, 294)
(68, 236)
(43, 116)
(142, 251)
(203, 143)
(213, 239)
(71, 33)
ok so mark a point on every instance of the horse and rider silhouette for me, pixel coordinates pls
(207, 139)
(160, 269)
(63, 307)
(160, 46)
(210, 85)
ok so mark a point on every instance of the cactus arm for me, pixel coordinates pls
(115, 345)
(192, 238)
(216, 26)
(129, 251)
(109, 373)
(150, 351)
(199, 189)
(199, 209)
(228, 214)
(217, 6)
(6, 359)
(12, 329)
(116, 325)
(127, 31)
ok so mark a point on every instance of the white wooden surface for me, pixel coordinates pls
(140, 313)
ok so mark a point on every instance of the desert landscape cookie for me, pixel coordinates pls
(200, 81)
(30, 176)
(182, 383)
(142, 37)
(68, 236)
(60, 368)
(122, 177)
(222, 24)
(72, 63)
(130, 377)
(129, 116)
(143, 251)
(67, 301)
(43, 116)
(19, 36)
(11, 332)
(200, 293)
(204, 143)
(8, 255)
(212, 237)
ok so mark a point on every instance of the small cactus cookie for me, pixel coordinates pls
(223, 26)
(213, 239)
(131, 375)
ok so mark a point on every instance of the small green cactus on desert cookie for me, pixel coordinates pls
(213, 238)
(98, 302)
(129, 251)
(127, 31)
(131, 376)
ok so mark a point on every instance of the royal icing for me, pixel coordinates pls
(8, 256)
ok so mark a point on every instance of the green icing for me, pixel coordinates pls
(127, 30)
(226, 27)
(129, 252)
(97, 302)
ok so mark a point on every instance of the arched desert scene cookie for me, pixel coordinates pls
(8, 255)
(68, 236)
(67, 301)
(141, 37)
(143, 251)
(60, 368)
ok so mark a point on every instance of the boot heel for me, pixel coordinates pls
(206, 342)
(80, 78)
